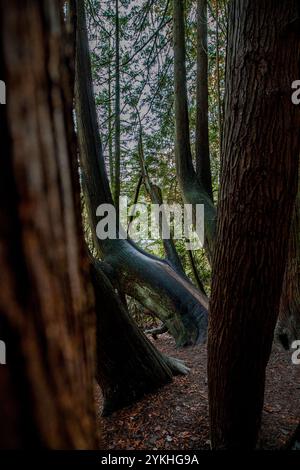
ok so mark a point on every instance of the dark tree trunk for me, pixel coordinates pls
(150, 280)
(288, 326)
(46, 302)
(192, 188)
(202, 141)
(258, 188)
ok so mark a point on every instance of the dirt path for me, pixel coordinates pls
(176, 417)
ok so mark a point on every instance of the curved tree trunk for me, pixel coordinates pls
(258, 189)
(46, 302)
(128, 364)
(150, 280)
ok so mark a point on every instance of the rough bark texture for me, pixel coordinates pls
(258, 188)
(46, 303)
(110, 124)
(150, 280)
(192, 187)
(288, 326)
(202, 141)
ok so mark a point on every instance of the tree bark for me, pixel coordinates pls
(258, 188)
(220, 107)
(117, 185)
(150, 280)
(192, 188)
(46, 301)
(110, 125)
(202, 140)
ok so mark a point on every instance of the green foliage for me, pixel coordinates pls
(146, 58)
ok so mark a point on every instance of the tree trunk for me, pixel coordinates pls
(288, 326)
(258, 188)
(202, 140)
(110, 125)
(46, 303)
(128, 364)
(117, 114)
(155, 195)
(220, 107)
(150, 280)
(192, 188)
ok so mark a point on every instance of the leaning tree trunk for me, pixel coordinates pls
(288, 326)
(128, 365)
(46, 303)
(150, 280)
(258, 188)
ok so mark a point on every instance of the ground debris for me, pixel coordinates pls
(176, 417)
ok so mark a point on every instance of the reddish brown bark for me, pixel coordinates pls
(46, 303)
(258, 188)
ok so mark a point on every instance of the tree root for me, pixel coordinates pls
(177, 366)
(156, 331)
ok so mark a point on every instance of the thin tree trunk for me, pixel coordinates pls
(135, 199)
(156, 198)
(202, 140)
(220, 108)
(110, 127)
(195, 272)
(117, 114)
(46, 301)
(192, 188)
(258, 188)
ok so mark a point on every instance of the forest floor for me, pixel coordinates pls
(176, 416)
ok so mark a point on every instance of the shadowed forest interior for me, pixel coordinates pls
(150, 224)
